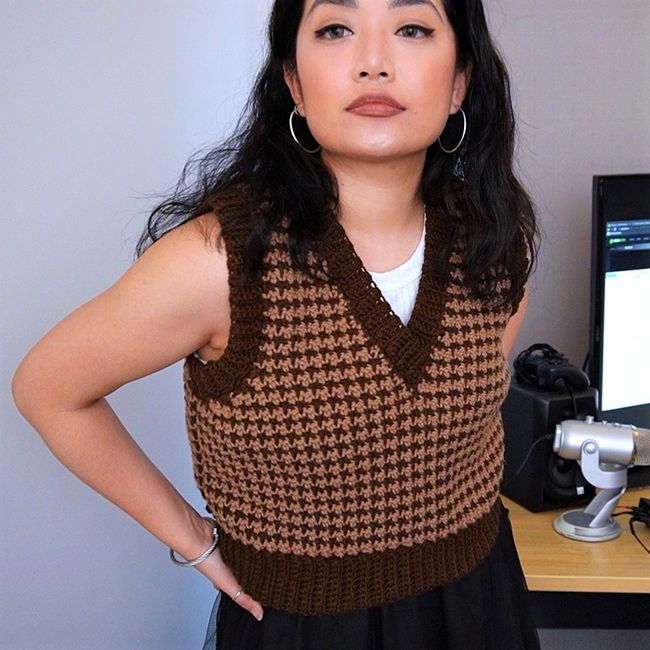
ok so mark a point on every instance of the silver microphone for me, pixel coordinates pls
(604, 451)
(624, 444)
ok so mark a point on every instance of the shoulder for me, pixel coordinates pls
(183, 278)
(204, 243)
(193, 253)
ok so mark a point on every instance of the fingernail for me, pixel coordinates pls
(259, 615)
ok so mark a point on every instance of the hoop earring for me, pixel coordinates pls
(293, 134)
(462, 137)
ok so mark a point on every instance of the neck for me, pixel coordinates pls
(379, 199)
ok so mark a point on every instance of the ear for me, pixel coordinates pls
(461, 83)
(293, 83)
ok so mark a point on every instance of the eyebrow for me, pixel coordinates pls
(393, 4)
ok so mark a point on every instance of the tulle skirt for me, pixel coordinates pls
(487, 609)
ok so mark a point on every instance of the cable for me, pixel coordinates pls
(523, 464)
(569, 390)
(567, 385)
(639, 513)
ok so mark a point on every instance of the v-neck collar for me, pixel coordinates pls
(407, 346)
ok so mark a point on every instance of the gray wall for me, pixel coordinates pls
(103, 102)
(580, 71)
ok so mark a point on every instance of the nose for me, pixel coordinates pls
(374, 59)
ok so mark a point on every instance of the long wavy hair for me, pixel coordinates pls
(475, 185)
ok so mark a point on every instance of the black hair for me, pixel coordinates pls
(476, 184)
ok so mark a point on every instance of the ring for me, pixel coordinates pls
(237, 595)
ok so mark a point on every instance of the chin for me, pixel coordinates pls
(375, 151)
(375, 140)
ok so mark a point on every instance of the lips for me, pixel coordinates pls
(378, 100)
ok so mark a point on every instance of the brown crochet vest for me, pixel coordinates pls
(349, 460)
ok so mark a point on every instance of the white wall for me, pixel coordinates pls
(102, 104)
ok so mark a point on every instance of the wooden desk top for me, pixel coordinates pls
(552, 562)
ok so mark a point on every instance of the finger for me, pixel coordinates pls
(223, 579)
(248, 603)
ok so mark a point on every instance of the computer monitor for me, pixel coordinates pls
(619, 354)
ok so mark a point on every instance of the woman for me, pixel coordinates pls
(343, 281)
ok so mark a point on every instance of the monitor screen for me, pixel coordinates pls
(620, 301)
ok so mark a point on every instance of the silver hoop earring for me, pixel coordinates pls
(462, 137)
(295, 112)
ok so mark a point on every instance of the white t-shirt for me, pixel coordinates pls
(399, 286)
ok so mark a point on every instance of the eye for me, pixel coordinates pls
(335, 30)
(410, 30)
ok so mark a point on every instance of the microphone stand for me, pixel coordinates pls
(595, 522)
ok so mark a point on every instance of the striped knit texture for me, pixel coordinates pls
(350, 460)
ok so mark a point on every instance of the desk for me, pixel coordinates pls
(552, 562)
(567, 575)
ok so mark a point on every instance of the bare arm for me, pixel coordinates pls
(172, 300)
(514, 325)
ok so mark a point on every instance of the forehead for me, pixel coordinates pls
(354, 4)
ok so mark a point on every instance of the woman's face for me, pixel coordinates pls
(404, 49)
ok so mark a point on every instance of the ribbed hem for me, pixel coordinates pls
(333, 585)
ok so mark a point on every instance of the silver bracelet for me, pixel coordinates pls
(208, 551)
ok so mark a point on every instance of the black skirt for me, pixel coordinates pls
(486, 609)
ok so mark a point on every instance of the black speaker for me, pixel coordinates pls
(546, 481)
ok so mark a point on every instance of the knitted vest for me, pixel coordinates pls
(350, 460)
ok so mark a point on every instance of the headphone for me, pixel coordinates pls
(543, 366)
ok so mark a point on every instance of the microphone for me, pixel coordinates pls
(604, 451)
(617, 443)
